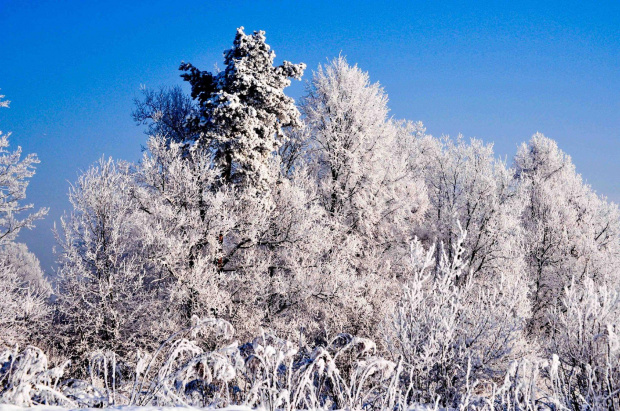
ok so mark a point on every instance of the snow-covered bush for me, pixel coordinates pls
(453, 331)
(26, 379)
(585, 346)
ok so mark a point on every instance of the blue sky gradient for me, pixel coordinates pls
(496, 71)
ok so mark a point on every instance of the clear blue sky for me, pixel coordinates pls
(495, 71)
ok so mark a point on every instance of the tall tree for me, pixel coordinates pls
(242, 110)
(359, 160)
(571, 233)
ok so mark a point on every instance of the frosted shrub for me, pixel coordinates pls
(454, 334)
(585, 347)
(23, 297)
(171, 374)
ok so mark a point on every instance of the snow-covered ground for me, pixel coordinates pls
(6, 407)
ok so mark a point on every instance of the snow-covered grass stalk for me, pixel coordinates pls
(26, 380)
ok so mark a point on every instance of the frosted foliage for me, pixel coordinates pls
(107, 295)
(359, 159)
(183, 224)
(26, 378)
(586, 346)
(467, 184)
(23, 288)
(361, 165)
(250, 262)
(14, 175)
(24, 291)
(452, 330)
(242, 110)
(570, 232)
(27, 267)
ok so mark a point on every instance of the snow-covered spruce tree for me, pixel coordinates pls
(242, 110)
(357, 157)
(24, 290)
(570, 232)
(107, 296)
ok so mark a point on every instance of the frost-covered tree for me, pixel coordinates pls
(108, 297)
(242, 110)
(27, 267)
(361, 166)
(359, 161)
(23, 287)
(185, 220)
(165, 114)
(570, 232)
(24, 307)
(468, 185)
(15, 173)
(235, 258)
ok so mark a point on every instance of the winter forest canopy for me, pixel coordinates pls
(311, 254)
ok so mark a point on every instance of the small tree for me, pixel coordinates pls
(107, 295)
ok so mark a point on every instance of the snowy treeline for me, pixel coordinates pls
(311, 254)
